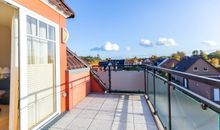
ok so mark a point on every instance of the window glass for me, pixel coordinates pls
(51, 33)
(31, 26)
(205, 68)
(51, 53)
(195, 69)
(43, 30)
(216, 94)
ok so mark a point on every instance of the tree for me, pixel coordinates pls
(195, 53)
(215, 62)
(215, 54)
(135, 60)
(153, 57)
(203, 54)
(91, 60)
(178, 55)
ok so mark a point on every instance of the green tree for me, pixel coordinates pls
(178, 55)
(153, 57)
(215, 54)
(203, 54)
(91, 60)
(195, 53)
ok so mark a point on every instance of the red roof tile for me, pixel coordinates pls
(73, 61)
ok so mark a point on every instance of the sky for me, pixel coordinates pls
(127, 28)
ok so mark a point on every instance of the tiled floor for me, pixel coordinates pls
(108, 112)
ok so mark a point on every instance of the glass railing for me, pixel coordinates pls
(179, 108)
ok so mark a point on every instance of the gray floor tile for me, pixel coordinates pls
(108, 112)
(100, 125)
(79, 123)
(122, 126)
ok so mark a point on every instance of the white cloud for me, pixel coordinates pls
(145, 43)
(109, 46)
(128, 48)
(210, 43)
(166, 42)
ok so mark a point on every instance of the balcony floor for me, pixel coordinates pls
(109, 112)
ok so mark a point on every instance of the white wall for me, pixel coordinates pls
(5, 46)
(124, 80)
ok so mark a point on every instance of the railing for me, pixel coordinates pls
(177, 107)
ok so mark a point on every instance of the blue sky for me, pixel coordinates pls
(128, 28)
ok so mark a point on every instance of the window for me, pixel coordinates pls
(205, 69)
(41, 43)
(216, 94)
(195, 69)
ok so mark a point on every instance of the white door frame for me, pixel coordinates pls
(22, 13)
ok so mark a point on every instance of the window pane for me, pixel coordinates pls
(33, 46)
(43, 52)
(216, 94)
(29, 46)
(43, 30)
(31, 26)
(51, 52)
(51, 33)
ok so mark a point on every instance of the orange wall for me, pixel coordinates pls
(78, 87)
(95, 86)
(49, 13)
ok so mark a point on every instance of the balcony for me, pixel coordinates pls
(108, 111)
(146, 97)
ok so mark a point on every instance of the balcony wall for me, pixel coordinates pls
(78, 86)
(128, 81)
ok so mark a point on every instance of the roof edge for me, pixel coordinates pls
(60, 4)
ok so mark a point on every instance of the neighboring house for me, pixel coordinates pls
(129, 62)
(116, 64)
(159, 61)
(198, 66)
(168, 63)
(147, 61)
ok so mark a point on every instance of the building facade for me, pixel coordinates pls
(199, 66)
(37, 66)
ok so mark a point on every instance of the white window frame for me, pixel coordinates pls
(23, 12)
(207, 69)
(216, 94)
(195, 70)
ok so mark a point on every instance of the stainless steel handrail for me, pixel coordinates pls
(202, 79)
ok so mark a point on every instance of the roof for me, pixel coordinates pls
(73, 61)
(64, 7)
(186, 63)
(168, 63)
(159, 61)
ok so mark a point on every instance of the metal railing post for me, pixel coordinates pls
(109, 79)
(145, 82)
(154, 91)
(169, 101)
